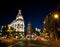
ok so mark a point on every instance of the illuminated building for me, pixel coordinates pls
(18, 23)
(30, 32)
(37, 29)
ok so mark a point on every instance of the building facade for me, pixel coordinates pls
(30, 35)
(18, 23)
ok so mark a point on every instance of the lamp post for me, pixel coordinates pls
(55, 19)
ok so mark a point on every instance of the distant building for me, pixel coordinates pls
(36, 29)
(30, 34)
(30, 29)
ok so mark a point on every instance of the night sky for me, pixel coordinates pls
(33, 11)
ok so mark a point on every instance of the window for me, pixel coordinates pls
(18, 26)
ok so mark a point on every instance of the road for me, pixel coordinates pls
(31, 43)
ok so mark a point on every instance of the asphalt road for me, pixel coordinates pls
(30, 43)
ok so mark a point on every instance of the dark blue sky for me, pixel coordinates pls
(33, 11)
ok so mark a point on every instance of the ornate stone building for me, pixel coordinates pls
(30, 33)
(18, 23)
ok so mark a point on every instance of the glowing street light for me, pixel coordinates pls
(56, 16)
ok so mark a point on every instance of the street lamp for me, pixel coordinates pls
(56, 16)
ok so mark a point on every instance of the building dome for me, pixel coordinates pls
(19, 16)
